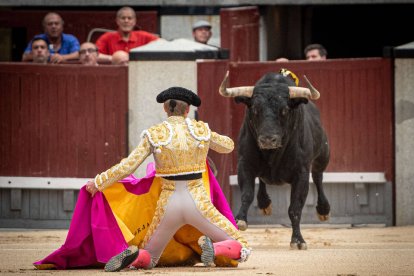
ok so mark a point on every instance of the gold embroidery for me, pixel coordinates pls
(168, 188)
(179, 147)
(204, 205)
(187, 150)
(125, 167)
(210, 212)
(159, 134)
(220, 143)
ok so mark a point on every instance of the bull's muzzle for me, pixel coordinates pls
(269, 141)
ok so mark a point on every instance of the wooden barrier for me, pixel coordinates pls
(61, 125)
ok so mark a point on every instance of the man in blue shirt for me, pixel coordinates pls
(62, 46)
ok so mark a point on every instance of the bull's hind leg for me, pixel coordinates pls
(318, 167)
(322, 208)
(263, 200)
(298, 194)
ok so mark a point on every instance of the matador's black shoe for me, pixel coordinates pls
(122, 260)
(207, 250)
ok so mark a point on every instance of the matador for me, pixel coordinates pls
(179, 146)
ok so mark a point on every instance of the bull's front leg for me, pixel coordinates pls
(298, 195)
(245, 180)
(263, 199)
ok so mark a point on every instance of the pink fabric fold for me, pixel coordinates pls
(94, 236)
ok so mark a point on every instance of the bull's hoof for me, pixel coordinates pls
(323, 217)
(267, 211)
(242, 225)
(300, 245)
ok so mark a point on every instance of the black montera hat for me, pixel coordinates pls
(179, 93)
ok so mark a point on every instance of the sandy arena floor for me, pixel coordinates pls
(331, 251)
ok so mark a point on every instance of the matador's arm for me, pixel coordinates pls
(125, 167)
(221, 143)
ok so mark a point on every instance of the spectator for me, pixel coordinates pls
(315, 52)
(202, 31)
(312, 52)
(282, 59)
(40, 50)
(125, 38)
(62, 46)
(120, 58)
(88, 54)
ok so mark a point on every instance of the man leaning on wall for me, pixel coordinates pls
(62, 47)
(315, 52)
(125, 38)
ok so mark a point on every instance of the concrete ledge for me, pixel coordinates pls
(57, 183)
(339, 177)
(320, 225)
(404, 51)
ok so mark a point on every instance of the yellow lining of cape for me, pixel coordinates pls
(134, 214)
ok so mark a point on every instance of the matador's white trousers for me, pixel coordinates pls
(180, 203)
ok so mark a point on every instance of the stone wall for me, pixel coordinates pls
(404, 147)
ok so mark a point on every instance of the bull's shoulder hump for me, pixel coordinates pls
(199, 129)
(159, 134)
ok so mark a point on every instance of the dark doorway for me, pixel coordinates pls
(361, 30)
(19, 43)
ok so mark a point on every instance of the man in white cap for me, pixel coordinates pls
(202, 31)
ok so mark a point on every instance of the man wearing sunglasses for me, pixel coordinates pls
(88, 54)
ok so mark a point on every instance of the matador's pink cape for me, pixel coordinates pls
(104, 225)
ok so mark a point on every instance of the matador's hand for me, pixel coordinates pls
(90, 187)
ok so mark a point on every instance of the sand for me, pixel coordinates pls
(332, 250)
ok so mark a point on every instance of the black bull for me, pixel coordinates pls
(281, 141)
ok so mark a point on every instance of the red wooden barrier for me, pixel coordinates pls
(240, 32)
(62, 120)
(356, 108)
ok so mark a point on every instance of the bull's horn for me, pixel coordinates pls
(314, 92)
(299, 92)
(246, 91)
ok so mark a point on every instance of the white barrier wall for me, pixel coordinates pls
(146, 80)
(404, 140)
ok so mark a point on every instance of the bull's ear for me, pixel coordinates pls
(245, 100)
(295, 102)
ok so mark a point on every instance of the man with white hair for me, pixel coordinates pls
(125, 38)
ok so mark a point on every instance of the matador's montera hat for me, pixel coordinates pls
(179, 93)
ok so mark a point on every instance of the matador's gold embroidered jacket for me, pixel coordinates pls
(179, 146)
